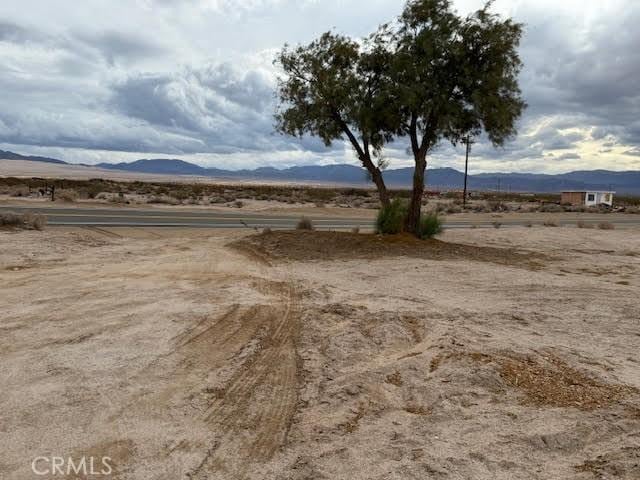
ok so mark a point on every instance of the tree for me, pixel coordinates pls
(430, 76)
(452, 77)
(332, 89)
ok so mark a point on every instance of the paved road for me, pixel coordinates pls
(126, 217)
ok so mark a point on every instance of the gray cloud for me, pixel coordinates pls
(198, 79)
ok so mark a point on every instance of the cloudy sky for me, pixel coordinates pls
(118, 80)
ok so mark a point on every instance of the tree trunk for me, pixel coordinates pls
(376, 176)
(365, 157)
(415, 205)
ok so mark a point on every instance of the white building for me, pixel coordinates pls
(587, 198)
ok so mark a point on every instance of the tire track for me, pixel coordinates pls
(260, 398)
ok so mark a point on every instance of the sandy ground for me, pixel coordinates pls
(181, 357)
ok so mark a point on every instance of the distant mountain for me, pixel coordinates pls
(442, 178)
(161, 166)
(4, 155)
(622, 182)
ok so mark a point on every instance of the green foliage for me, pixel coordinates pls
(430, 225)
(456, 76)
(431, 76)
(391, 218)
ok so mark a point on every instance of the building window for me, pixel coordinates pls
(591, 197)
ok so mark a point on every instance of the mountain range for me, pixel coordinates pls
(622, 182)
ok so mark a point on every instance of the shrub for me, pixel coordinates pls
(528, 224)
(162, 200)
(35, 221)
(451, 209)
(550, 223)
(305, 224)
(391, 218)
(355, 230)
(238, 204)
(266, 231)
(497, 206)
(583, 224)
(550, 208)
(497, 224)
(10, 220)
(29, 221)
(430, 225)
(606, 226)
(66, 195)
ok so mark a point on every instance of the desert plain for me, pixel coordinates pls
(205, 354)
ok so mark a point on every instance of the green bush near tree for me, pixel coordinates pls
(391, 220)
(430, 225)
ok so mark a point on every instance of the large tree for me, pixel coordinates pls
(432, 76)
(452, 77)
(332, 89)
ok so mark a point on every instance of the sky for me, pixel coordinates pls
(119, 80)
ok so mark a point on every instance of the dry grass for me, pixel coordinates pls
(583, 224)
(321, 245)
(606, 226)
(549, 381)
(623, 464)
(417, 410)
(26, 221)
(395, 379)
(546, 380)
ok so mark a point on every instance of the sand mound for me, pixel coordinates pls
(317, 245)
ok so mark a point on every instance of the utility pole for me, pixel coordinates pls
(466, 170)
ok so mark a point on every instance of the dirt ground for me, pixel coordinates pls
(502, 354)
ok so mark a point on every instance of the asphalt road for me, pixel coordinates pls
(107, 217)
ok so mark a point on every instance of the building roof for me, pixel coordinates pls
(587, 191)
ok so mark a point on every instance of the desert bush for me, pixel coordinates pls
(238, 204)
(35, 221)
(550, 223)
(162, 200)
(355, 230)
(20, 192)
(430, 225)
(583, 224)
(497, 225)
(182, 194)
(305, 223)
(606, 226)
(497, 206)
(29, 221)
(391, 219)
(451, 209)
(550, 208)
(529, 224)
(67, 195)
(10, 219)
